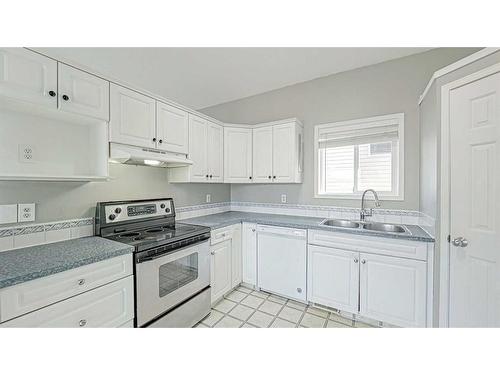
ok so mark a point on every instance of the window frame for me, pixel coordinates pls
(397, 118)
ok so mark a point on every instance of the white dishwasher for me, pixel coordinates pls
(281, 261)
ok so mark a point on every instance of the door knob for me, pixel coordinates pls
(52, 93)
(363, 261)
(299, 290)
(460, 242)
(355, 260)
(65, 97)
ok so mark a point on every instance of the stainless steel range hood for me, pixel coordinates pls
(124, 154)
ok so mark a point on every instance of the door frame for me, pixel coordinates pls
(445, 190)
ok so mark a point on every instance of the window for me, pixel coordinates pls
(352, 156)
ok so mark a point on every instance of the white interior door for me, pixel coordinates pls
(83, 93)
(171, 128)
(474, 299)
(198, 149)
(29, 76)
(263, 154)
(215, 150)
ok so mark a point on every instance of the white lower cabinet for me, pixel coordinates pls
(111, 305)
(236, 262)
(225, 266)
(220, 269)
(393, 290)
(387, 280)
(249, 253)
(333, 278)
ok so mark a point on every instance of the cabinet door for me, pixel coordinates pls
(237, 155)
(263, 154)
(393, 290)
(284, 153)
(172, 128)
(249, 253)
(28, 76)
(132, 118)
(198, 149)
(83, 93)
(333, 278)
(236, 262)
(220, 269)
(111, 305)
(215, 150)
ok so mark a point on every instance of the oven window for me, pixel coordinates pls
(176, 274)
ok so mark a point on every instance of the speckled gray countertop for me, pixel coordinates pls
(303, 222)
(29, 263)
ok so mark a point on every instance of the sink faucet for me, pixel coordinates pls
(364, 213)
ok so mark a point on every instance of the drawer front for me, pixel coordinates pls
(369, 244)
(32, 295)
(111, 305)
(222, 234)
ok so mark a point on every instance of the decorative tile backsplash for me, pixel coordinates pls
(36, 234)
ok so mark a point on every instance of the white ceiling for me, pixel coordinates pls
(202, 77)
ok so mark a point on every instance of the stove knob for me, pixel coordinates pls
(162, 205)
(112, 217)
(118, 210)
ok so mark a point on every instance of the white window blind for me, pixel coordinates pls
(357, 155)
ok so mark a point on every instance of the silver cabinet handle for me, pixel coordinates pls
(460, 242)
(253, 230)
(356, 260)
(82, 323)
(363, 261)
(299, 290)
(81, 281)
(212, 252)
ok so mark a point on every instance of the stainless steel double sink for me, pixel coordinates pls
(367, 226)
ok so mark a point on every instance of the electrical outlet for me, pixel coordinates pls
(25, 212)
(27, 154)
(209, 198)
(283, 198)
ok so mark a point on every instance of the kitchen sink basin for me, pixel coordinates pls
(381, 227)
(340, 223)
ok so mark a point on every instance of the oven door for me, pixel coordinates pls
(165, 281)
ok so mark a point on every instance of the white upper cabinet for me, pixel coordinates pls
(285, 153)
(171, 128)
(83, 93)
(215, 148)
(277, 153)
(132, 119)
(237, 155)
(198, 149)
(28, 76)
(263, 154)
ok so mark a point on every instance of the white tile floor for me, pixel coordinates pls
(245, 308)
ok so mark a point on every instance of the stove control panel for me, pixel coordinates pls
(140, 210)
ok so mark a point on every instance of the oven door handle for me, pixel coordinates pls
(150, 258)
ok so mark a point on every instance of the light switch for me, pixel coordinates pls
(8, 213)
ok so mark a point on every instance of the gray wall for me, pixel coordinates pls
(67, 200)
(384, 88)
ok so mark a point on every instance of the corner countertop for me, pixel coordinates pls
(224, 219)
(30, 263)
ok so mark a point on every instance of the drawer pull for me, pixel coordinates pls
(81, 281)
(82, 323)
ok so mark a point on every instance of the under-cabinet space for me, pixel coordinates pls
(59, 147)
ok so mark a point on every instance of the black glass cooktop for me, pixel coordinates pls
(159, 235)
